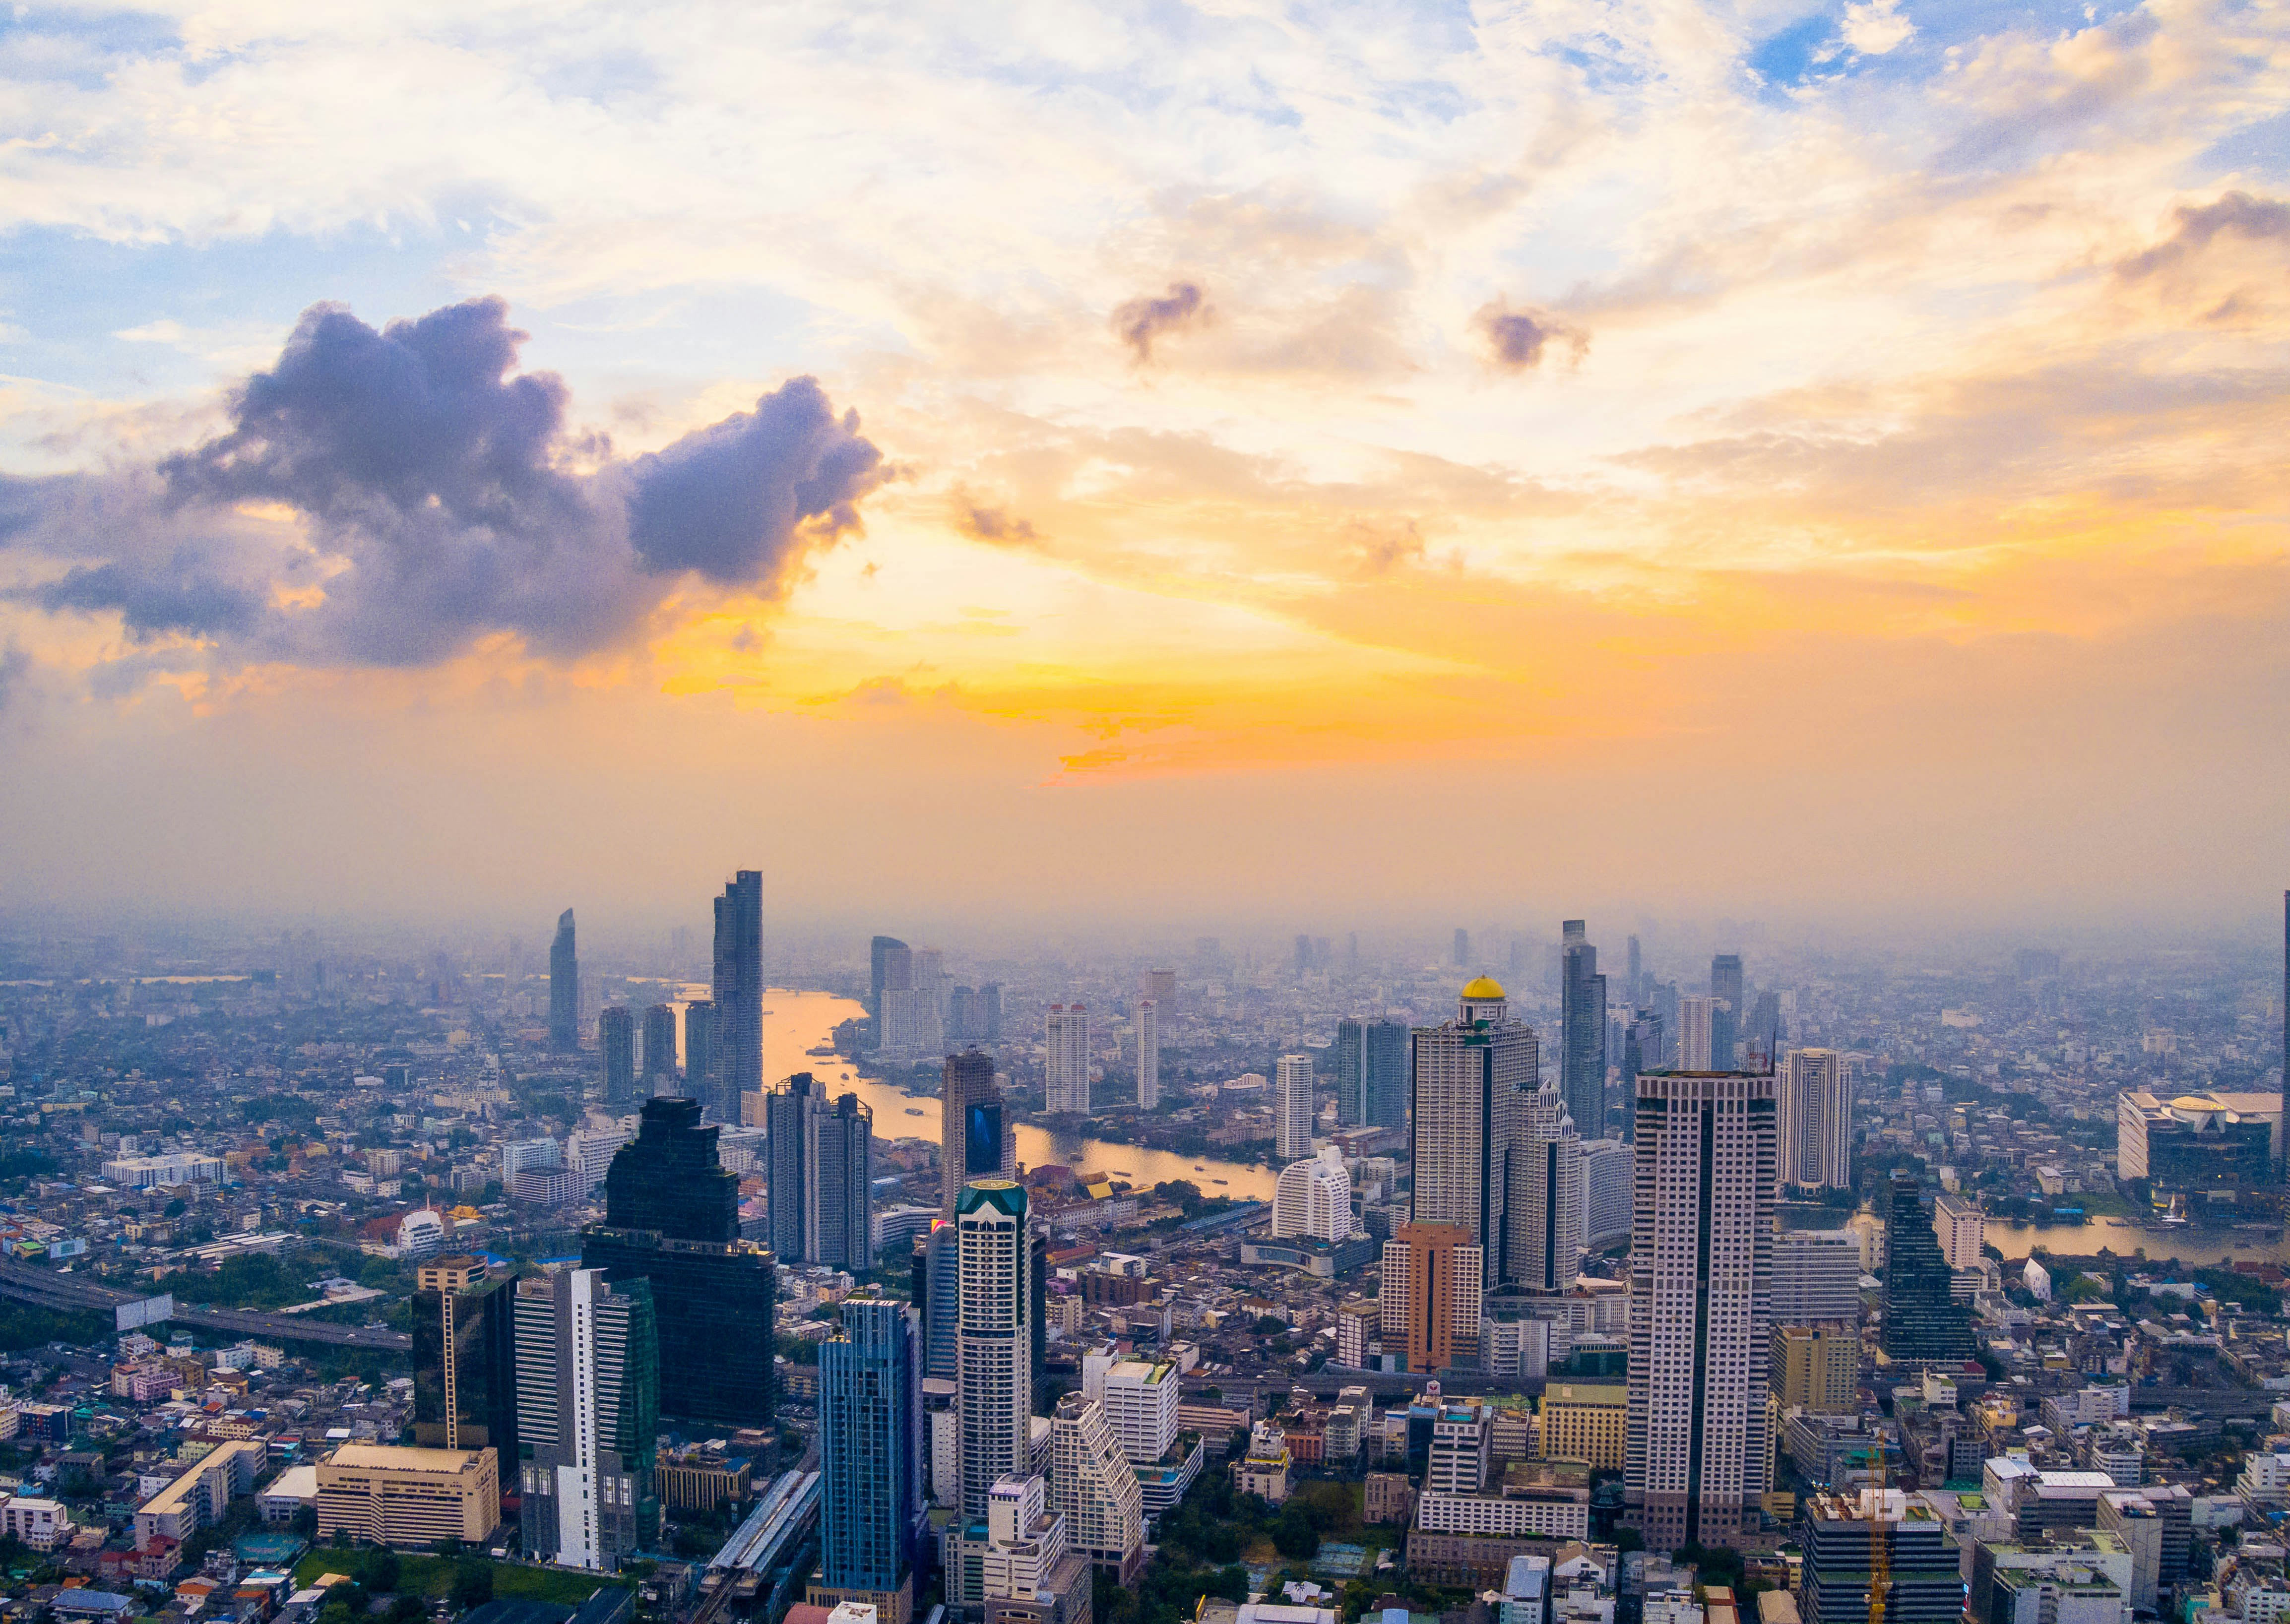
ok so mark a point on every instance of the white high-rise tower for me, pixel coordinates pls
(994, 1346)
(1314, 1198)
(1543, 1246)
(1696, 1032)
(1293, 1121)
(1148, 1053)
(1065, 1069)
(1815, 1109)
(1696, 1456)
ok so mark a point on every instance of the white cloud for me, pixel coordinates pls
(1875, 26)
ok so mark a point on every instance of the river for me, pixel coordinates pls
(796, 1021)
(2123, 1238)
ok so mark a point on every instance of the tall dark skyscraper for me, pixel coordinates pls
(870, 1461)
(823, 1174)
(1372, 1077)
(738, 995)
(967, 1079)
(1583, 1033)
(878, 957)
(616, 1036)
(698, 1050)
(1726, 1019)
(564, 989)
(672, 1217)
(1351, 1072)
(465, 1362)
(1389, 1076)
(1463, 948)
(1921, 1319)
(1634, 964)
(659, 1049)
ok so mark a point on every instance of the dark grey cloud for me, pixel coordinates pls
(1518, 340)
(728, 501)
(446, 501)
(2236, 214)
(14, 666)
(151, 603)
(1142, 321)
(999, 525)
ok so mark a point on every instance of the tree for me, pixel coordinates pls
(1267, 1325)
(473, 1583)
(379, 1570)
(1293, 1535)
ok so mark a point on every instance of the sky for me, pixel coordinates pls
(1150, 460)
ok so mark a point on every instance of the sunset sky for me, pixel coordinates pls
(1074, 461)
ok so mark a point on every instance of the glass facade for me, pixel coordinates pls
(1920, 1320)
(671, 1217)
(869, 1423)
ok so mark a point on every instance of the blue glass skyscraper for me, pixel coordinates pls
(870, 1437)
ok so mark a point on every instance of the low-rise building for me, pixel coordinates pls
(408, 1497)
(40, 1522)
(197, 1496)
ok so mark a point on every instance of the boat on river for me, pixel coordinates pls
(912, 1110)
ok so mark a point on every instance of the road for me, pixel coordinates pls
(27, 1283)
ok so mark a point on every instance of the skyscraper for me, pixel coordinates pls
(700, 1050)
(1093, 1486)
(822, 1176)
(1161, 986)
(937, 1296)
(1065, 1069)
(1727, 1016)
(1697, 1028)
(588, 1418)
(1463, 948)
(465, 1361)
(1470, 1076)
(738, 995)
(672, 1217)
(1314, 1198)
(879, 955)
(616, 1036)
(993, 1341)
(1815, 1100)
(965, 1080)
(659, 1049)
(1388, 1073)
(1701, 1286)
(1292, 1120)
(1922, 1319)
(1546, 1198)
(1431, 1294)
(870, 1463)
(1351, 1072)
(1634, 967)
(1149, 1054)
(1842, 1534)
(564, 989)
(1583, 1032)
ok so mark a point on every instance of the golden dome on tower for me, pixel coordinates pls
(1485, 987)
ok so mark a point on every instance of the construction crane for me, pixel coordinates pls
(1880, 1549)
